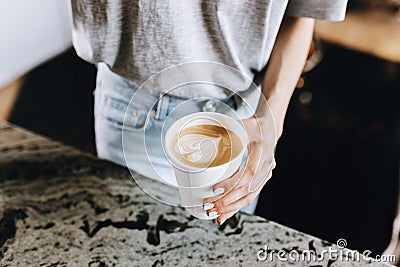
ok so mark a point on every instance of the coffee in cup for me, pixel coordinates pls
(204, 148)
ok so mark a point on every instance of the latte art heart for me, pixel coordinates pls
(198, 148)
(206, 145)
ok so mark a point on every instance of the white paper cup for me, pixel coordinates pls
(195, 183)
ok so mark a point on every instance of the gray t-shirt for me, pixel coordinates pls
(138, 38)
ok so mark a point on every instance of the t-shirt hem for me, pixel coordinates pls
(321, 14)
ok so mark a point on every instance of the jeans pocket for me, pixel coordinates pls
(120, 115)
(120, 103)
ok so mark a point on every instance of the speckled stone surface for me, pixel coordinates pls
(60, 207)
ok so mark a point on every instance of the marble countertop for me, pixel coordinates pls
(61, 207)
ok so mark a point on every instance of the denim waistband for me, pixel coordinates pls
(118, 87)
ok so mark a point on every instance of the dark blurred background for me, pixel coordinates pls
(56, 100)
(337, 162)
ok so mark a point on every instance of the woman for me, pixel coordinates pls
(130, 41)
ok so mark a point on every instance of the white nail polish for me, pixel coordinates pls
(212, 214)
(208, 206)
(219, 191)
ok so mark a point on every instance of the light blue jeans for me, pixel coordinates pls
(118, 121)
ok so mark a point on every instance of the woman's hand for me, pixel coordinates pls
(243, 187)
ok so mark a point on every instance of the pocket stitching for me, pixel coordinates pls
(119, 105)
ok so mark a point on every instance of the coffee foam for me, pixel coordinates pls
(198, 148)
(206, 145)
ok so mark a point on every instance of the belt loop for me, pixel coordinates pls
(162, 106)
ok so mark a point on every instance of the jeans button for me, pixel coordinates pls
(210, 106)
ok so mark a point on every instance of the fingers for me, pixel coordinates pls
(234, 200)
(226, 211)
(242, 176)
(221, 219)
(238, 191)
(225, 186)
(218, 205)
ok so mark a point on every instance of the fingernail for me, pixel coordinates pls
(208, 206)
(219, 191)
(222, 222)
(212, 214)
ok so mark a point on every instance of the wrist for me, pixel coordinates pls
(275, 106)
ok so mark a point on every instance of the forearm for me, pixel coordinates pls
(284, 68)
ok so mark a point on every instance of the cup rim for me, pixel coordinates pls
(187, 168)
